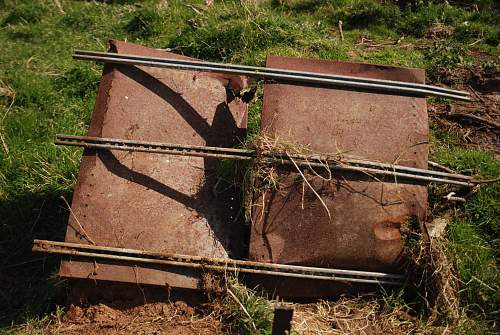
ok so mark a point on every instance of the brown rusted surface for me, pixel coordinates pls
(290, 225)
(151, 201)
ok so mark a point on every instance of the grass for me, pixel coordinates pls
(44, 92)
(474, 234)
(246, 311)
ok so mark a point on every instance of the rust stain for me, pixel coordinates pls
(388, 230)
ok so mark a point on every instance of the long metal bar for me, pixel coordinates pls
(271, 70)
(283, 75)
(215, 264)
(370, 164)
(241, 154)
(359, 166)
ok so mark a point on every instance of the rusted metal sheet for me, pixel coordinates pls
(291, 225)
(151, 201)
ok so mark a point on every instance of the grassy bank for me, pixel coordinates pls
(44, 92)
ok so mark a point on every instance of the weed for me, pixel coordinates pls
(443, 58)
(254, 109)
(244, 310)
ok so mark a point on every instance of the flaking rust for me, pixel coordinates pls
(150, 201)
(361, 229)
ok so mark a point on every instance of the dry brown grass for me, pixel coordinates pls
(436, 280)
(359, 315)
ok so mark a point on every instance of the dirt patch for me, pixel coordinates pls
(477, 122)
(156, 318)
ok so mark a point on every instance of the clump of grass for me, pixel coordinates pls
(418, 21)
(475, 260)
(37, 325)
(369, 15)
(245, 310)
(444, 58)
(25, 13)
(247, 33)
(145, 23)
(87, 79)
(436, 280)
(254, 113)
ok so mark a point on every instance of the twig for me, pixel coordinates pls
(310, 186)
(196, 10)
(476, 118)
(441, 167)
(59, 6)
(452, 198)
(475, 93)
(13, 95)
(5, 147)
(483, 283)
(302, 198)
(486, 181)
(38, 216)
(136, 275)
(474, 43)
(87, 237)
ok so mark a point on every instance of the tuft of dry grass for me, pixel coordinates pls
(431, 271)
(436, 280)
(265, 176)
(357, 315)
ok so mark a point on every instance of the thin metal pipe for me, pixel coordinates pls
(275, 76)
(378, 172)
(224, 265)
(261, 70)
(365, 163)
(108, 145)
(269, 158)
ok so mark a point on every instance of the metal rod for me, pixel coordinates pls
(270, 70)
(370, 168)
(216, 264)
(265, 73)
(365, 163)
(232, 153)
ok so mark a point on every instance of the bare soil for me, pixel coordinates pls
(477, 123)
(154, 318)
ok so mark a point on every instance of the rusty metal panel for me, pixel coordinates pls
(290, 225)
(152, 201)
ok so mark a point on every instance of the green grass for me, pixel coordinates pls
(474, 234)
(246, 311)
(44, 92)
